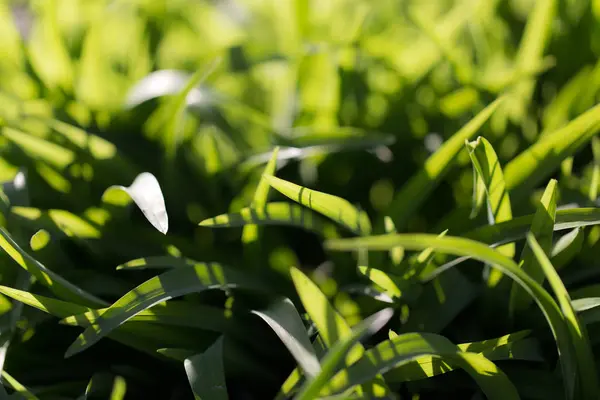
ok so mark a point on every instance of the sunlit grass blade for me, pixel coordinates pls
(331, 325)
(335, 356)
(423, 261)
(157, 262)
(466, 247)
(409, 347)
(174, 283)
(333, 207)
(518, 227)
(540, 160)
(542, 228)
(391, 284)
(486, 164)
(18, 387)
(412, 194)
(579, 337)
(567, 247)
(275, 213)
(206, 373)
(285, 321)
(57, 284)
(56, 221)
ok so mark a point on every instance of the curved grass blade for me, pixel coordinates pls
(171, 284)
(331, 325)
(409, 347)
(419, 186)
(157, 262)
(333, 207)
(518, 227)
(567, 247)
(542, 228)
(57, 284)
(388, 282)
(313, 387)
(540, 160)
(486, 164)
(147, 195)
(285, 321)
(276, 213)
(466, 247)
(18, 387)
(206, 373)
(579, 337)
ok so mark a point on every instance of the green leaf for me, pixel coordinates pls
(285, 321)
(567, 247)
(157, 262)
(57, 221)
(333, 207)
(206, 373)
(466, 247)
(17, 387)
(331, 325)
(579, 337)
(57, 284)
(518, 227)
(275, 213)
(173, 283)
(412, 194)
(392, 285)
(486, 164)
(542, 228)
(409, 347)
(335, 356)
(540, 160)
(147, 195)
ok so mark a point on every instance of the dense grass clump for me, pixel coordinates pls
(268, 199)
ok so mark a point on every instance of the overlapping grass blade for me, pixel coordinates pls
(409, 347)
(579, 337)
(391, 284)
(173, 283)
(567, 247)
(466, 247)
(542, 228)
(57, 284)
(333, 207)
(275, 213)
(487, 166)
(285, 321)
(206, 373)
(335, 356)
(411, 195)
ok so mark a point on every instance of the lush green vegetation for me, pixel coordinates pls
(364, 199)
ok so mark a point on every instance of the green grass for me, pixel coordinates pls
(344, 199)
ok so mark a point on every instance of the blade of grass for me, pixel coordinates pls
(18, 387)
(579, 337)
(567, 247)
(173, 283)
(206, 373)
(466, 247)
(542, 228)
(333, 207)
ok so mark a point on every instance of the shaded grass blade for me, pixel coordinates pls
(206, 373)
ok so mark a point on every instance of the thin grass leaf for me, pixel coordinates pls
(275, 213)
(409, 347)
(389, 283)
(18, 387)
(57, 284)
(285, 321)
(206, 373)
(335, 356)
(579, 337)
(157, 262)
(333, 207)
(147, 195)
(486, 163)
(171, 284)
(481, 252)
(411, 196)
(518, 227)
(540, 160)
(397, 254)
(567, 247)
(331, 325)
(542, 228)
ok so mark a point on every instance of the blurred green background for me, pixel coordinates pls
(357, 94)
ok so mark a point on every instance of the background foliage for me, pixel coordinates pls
(370, 102)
